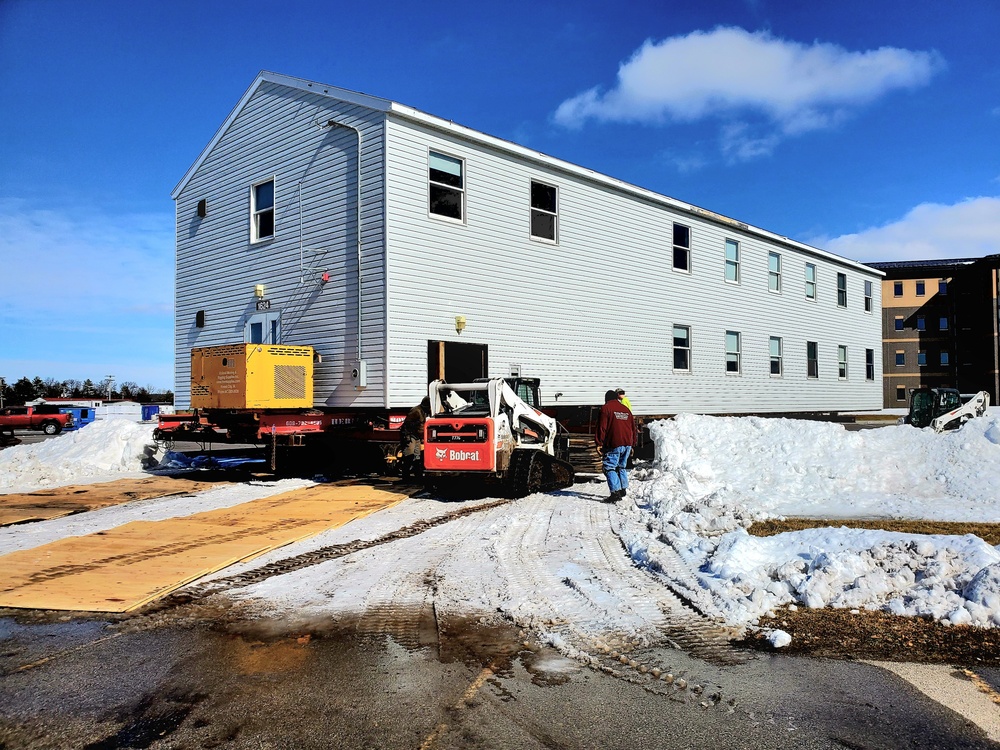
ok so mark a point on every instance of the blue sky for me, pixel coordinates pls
(871, 129)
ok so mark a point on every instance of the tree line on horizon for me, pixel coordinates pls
(28, 389)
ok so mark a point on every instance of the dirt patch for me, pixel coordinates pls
(838, 634)
(988, 532)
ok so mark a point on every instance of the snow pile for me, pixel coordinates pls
(715, 476)
(107, 446)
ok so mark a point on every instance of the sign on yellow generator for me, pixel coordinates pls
(252, 376)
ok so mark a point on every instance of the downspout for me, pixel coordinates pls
(357, 132)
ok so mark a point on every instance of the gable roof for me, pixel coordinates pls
(415, 115)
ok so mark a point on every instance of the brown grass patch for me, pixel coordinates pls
(988, 532)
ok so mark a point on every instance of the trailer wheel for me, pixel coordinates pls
(51, 428)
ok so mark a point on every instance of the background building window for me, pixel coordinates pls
(901, 393)
(869, 364)
(544, 211)
(812, 359)
(899, 323)
(682, 247)
(943, 286)
(733, 261)
(921, 289)
(921, 359)
(921, 323)
(897, 289)
(775, 347)
(900, 358)
(842, 362)
(945, 359)
(810, 281)
(682, 348)
(446, 176)
(733, 352)
(841, 290)
(943, 323)
(262, 211)
(774, 272)
(868, 296)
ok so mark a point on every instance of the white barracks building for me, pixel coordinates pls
(404, 247)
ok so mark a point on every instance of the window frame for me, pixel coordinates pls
(897, 289)
(532, 208)
(920, 287)
(921, 323)
(774, 275)
(732, 263)
(944, 358)
(813, 282)
(841, 289)
(901, 393)
(842, 369)
(256, 213)
(900, 358)
(899, 323)
(441, 185)
(943, 287)
(812, 363)
(947, 323)
(737, 354)
(675, 248)
(869, 301)
(775, 359)
(685, 349)
(870, 364)
(922, 358)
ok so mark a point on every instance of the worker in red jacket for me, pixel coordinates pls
(615, 436)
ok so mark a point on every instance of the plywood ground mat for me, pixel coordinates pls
(123, 568)
(63, 501)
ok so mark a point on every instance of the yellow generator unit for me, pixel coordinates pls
(252, 376)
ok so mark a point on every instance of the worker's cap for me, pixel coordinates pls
(610, 396)
(620, 391)
(425, 402)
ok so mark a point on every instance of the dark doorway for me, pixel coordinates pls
(456, 362)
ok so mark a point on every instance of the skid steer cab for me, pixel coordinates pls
(483, 433)
(945, 408)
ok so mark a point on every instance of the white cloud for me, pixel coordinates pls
(733, 74)
(970, 229)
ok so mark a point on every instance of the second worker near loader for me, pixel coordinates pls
(616, 434)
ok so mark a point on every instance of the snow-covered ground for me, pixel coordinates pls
(589, 576)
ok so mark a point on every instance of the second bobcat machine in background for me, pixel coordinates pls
(485, 433)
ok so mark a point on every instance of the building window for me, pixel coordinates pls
(774, 272)
(775, 347)
(262, 211)
(921, 359)
(945, 359)
(901, 393)
(446, 176)
(869, 364)
(943, 286)
(921, 289)
(733, 261)
(899, 322)
(868, 296)
(943, 323)
(921, 323)
(841, 290)
(682, 349)
(842, 362)
(810, 281)
(544, 211)
(733, 352)
(682, 247)
(900, 358)
(897, 289)
(812, 359)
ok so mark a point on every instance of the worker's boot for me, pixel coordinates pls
(406, 467)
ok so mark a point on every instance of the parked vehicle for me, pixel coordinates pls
(945, 408)
(44, 417)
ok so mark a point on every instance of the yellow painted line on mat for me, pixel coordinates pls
(125, 567)
(43, 505)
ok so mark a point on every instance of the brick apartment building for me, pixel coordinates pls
(940, 326)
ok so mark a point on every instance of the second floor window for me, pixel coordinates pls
(897, 289)
(446, 189)
(810, 281)
(774, 272)
(682, 247)
(733, 261)
(921, 289)
(544, 211)
(262, 211)
(841, 290)
(868, 296)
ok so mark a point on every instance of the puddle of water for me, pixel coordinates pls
(150, 721)
(548, 667)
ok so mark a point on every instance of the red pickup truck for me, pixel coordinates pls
(43, 417)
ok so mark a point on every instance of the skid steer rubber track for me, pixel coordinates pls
(536, 471)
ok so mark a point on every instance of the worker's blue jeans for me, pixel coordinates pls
(614, 462)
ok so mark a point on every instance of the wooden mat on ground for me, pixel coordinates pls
(63, 501)
(123, 568)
